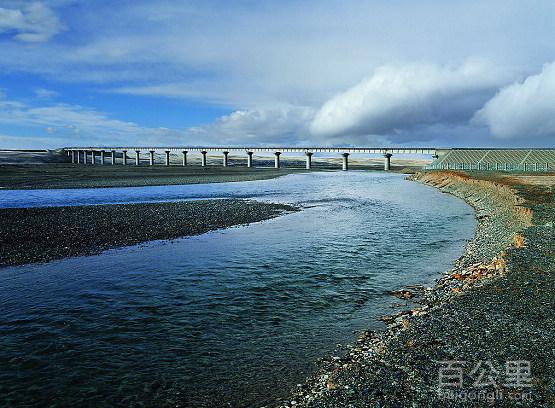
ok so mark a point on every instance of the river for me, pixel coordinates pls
(235, 316)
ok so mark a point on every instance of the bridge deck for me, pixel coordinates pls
(282, 149)
(513, 159)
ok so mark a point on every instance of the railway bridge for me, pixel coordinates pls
(500, 159)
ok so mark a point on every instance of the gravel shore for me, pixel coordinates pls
(29, 235)
(66, 175)
(56, 175)
(487, 319)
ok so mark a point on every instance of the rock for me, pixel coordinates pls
(402, 294)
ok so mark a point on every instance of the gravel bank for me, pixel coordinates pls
(30, 235)
(495, 306)
(55, 175)
(64, 175)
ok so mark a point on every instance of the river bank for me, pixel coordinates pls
(51, 169)
(235, 317)
(487, 319)
(56, 175)
(30, 235)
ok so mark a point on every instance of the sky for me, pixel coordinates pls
(300, 73)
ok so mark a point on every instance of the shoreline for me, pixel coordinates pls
(69, 176)
(25, 176)
(43, 234)
(485, 308)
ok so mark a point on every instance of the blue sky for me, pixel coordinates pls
(468, 73)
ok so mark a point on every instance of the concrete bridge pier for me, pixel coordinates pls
(93, 157)
(113, 157)
(125, 158)
(137, 157)
(102, 157)
(203, 159)
(225, 158)
(184, 157)
(308, 160)
(167, 157)
(151, 161)
(345, 161)
(85, 158)
(387, 161)
(276, 160)
(73, 156)
(249, 159)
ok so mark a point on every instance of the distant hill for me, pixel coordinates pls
(12, 156)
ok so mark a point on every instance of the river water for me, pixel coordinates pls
(234, 317)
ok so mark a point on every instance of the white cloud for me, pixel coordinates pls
(523, 110)
(259, 57)
(206, 91)
(286, 124)
(80, 125)
(288, 52)
(42, 93)
(397, 98)
(32, 22)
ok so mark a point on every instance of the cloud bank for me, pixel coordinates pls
(282, 71)
(396, 98)
(76, 125)
(280, 125)
(523, 110)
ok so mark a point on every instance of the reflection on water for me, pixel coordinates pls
(236, 315)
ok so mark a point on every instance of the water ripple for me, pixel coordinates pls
(233, 316)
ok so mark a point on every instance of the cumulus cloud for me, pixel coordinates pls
(524, 109)
(34, 22)
(275, 125)
(255, 58)
(396, 98)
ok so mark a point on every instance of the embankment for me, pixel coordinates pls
(491, 313)
(500, 210)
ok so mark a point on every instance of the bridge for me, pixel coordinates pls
(500, 159)
(86, 155)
